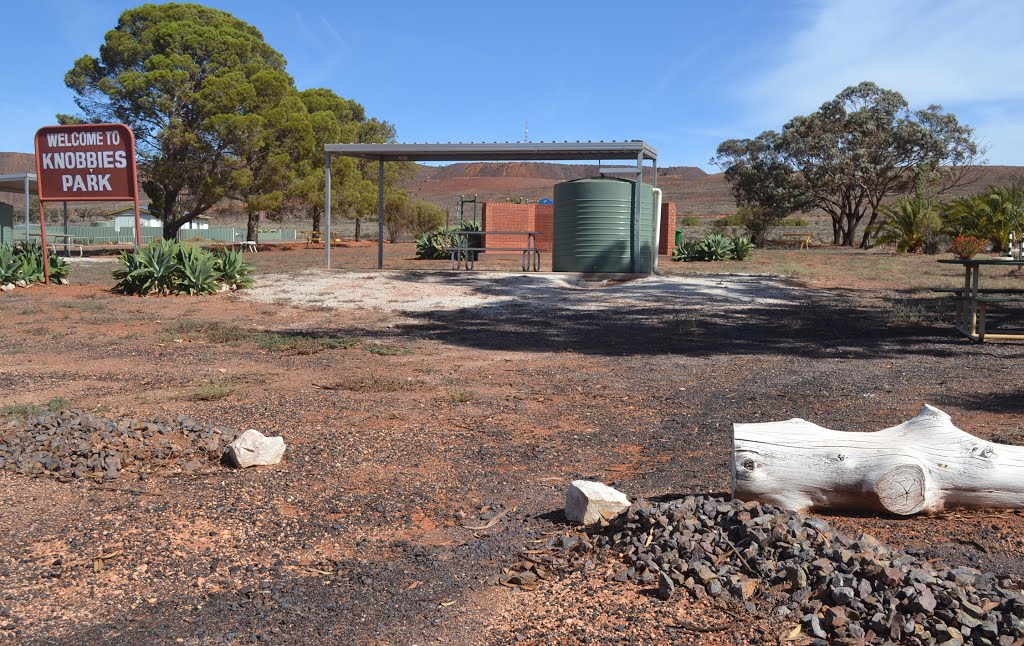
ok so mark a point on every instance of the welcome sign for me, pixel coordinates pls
(94, 161)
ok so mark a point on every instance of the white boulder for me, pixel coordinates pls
(252, 448)
(588, 502)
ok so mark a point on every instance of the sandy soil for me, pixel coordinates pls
(408, 423)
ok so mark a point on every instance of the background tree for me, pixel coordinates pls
(765, 188)
(353, 182)
(858, 149)
(265, 148)
(172, 72)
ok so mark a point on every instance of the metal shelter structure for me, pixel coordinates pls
(459, 152)
(24, 183)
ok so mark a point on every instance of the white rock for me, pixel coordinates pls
(6, 287)
(588, 502)
(252, 448)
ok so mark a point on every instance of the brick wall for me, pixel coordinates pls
(544, 225)
(505, 216)
(668, 228)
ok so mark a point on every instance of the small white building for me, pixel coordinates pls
(125, 218)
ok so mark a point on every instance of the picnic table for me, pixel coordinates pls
(803, 240)
(68, 242)
(972, 300)
(463, 254)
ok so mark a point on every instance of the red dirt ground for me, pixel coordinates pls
(431, 420)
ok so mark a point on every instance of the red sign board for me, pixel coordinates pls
(94, 161)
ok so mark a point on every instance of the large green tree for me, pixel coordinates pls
(849, 156)
(179, 75)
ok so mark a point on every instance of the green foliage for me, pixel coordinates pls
(197, 273)
(60, 268)
(793, 222)
(966, 247)
(989, 215)
(911, 223)
(846, 158)
(234, 271)
(388, 350)
(9, 264)
(689, 221)
(435, 244)
(198, 88)
(714, 246)
(28, 410)
(742, 247)
(21, 262)
(686, 251)
(166, 267)
(299, 343)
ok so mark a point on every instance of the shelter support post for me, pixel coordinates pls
(26, 209)
(380, 213)
(636, 211)
(327, 211)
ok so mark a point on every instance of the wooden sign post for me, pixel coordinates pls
(85, 162)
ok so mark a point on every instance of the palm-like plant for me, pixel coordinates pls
(990, 215)
(909, 223)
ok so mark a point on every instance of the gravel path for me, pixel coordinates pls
(432, 291)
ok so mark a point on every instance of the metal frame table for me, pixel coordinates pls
(972, 301)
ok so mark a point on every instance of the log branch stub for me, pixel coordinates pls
(902, 489)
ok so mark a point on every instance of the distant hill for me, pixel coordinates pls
(694, 191)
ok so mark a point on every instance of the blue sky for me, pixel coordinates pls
(683, 76)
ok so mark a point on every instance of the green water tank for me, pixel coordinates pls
(593, 226)
(6, 223)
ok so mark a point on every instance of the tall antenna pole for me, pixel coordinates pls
(526, 131)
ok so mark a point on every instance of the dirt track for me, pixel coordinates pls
(406, 426)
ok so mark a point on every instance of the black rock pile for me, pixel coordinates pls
(846, 590)
(72, 444)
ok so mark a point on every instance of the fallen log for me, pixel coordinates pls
(924, 465)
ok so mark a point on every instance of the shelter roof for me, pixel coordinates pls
(15, 183)
(555, 150)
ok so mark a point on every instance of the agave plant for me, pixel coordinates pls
(9, 264)
(741, 247)
(234, 271)
(152, 269)
(686, 250)
(59, 268)
(715, 246)
(197, 272)
(433, 245)
(29, 259)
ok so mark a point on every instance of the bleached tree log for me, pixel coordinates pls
(924, 465)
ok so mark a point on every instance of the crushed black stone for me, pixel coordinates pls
(72, 444)
(844, 590)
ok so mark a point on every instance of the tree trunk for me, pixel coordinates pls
(315, 214)
(252, 227)
(923, 465)
(358, 227)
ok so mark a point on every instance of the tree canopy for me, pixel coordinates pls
(177, 74)
(858, 149)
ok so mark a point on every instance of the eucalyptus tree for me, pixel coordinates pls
(848, 157)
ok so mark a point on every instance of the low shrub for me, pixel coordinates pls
(167, 267)
(966, 247)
